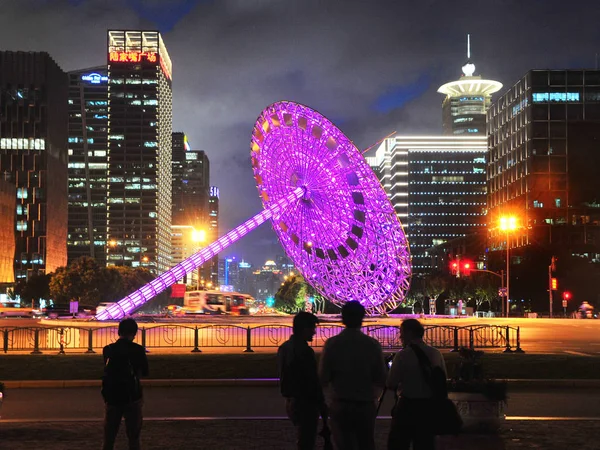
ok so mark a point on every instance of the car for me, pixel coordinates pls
(102, 306)
(15, 310)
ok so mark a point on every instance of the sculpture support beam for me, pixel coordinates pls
(138, 298)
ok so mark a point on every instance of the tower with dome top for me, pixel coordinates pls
(467, 100)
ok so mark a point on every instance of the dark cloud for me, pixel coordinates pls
(373, 66)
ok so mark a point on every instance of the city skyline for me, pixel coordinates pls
(393, 87)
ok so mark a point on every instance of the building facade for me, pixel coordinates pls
(88, 163)
(139, 150)
(210, 270)
(8, 205)
(184, 243)
(544, 153)
(190, 183)
(33, 157)
(437, 186)
(466, 102)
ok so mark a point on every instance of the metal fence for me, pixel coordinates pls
(47, 339)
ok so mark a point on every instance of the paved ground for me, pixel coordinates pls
(236, 401)
(278, 435)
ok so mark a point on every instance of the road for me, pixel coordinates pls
(204, 402)
(579, 337)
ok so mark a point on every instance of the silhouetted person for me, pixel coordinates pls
(413, 409)
(353, 368)
(299, 381)
(124, 363)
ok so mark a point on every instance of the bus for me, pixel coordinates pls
(216, 302)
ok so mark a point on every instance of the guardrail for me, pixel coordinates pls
(89, 340)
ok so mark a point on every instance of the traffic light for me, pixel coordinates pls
(554, 284)
(566, 295)
(466, 268)
(454, 267)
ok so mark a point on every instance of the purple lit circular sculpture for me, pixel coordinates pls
(332, 216)
(343, 234)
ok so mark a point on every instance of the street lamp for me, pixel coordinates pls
(508, 224)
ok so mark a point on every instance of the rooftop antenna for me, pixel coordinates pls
(468, 46)
(469, 68)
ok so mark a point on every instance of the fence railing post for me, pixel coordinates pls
(61, 341)
(144, 340)
(90, 341)
(471, 339)
(36, 342)
(196, 339)
(248, 341)
(455, 349)
(519, 349)
(508, 348)
(5, 341)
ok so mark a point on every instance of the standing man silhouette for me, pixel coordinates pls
(299, 381)
(353, 367)
(124, 363)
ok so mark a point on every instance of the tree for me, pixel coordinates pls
(35, 288)
(484, 290)
(291, 296)
(83, 281)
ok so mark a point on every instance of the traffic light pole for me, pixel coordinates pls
(550, 288)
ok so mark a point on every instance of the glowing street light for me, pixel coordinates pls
(507, 224)
(198, 235)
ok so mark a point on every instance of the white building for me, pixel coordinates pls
(437, 185)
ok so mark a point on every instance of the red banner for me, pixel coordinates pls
(178, 291)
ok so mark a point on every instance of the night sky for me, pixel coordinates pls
(372, 66)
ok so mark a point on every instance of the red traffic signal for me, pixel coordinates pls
(453, 267)
(566, 295)
(466, 268)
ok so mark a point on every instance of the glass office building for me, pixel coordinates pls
(437, 186)
(33, 157)
(544, 154)
(139, 150)
(88, 163)
(191, 183)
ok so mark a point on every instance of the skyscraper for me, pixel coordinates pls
(467, 100)
(88, 163)
(139, 150)
(437, 186)
(191, 182)
(211, 269)
(544, 157)
(33, 157)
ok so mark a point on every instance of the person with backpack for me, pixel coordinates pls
(418, 376)
(124, 363)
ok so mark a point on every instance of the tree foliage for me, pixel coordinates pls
(291, 297)
(88, 283)
(34, 289)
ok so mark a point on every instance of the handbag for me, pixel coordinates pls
(445, 416)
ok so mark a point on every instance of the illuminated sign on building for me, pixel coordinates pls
(132, 56)
(214, 191)
(94, 78)
(556, 97)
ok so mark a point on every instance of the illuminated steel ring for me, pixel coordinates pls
(343, 234)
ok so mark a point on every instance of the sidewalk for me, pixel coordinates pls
(279, 435)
